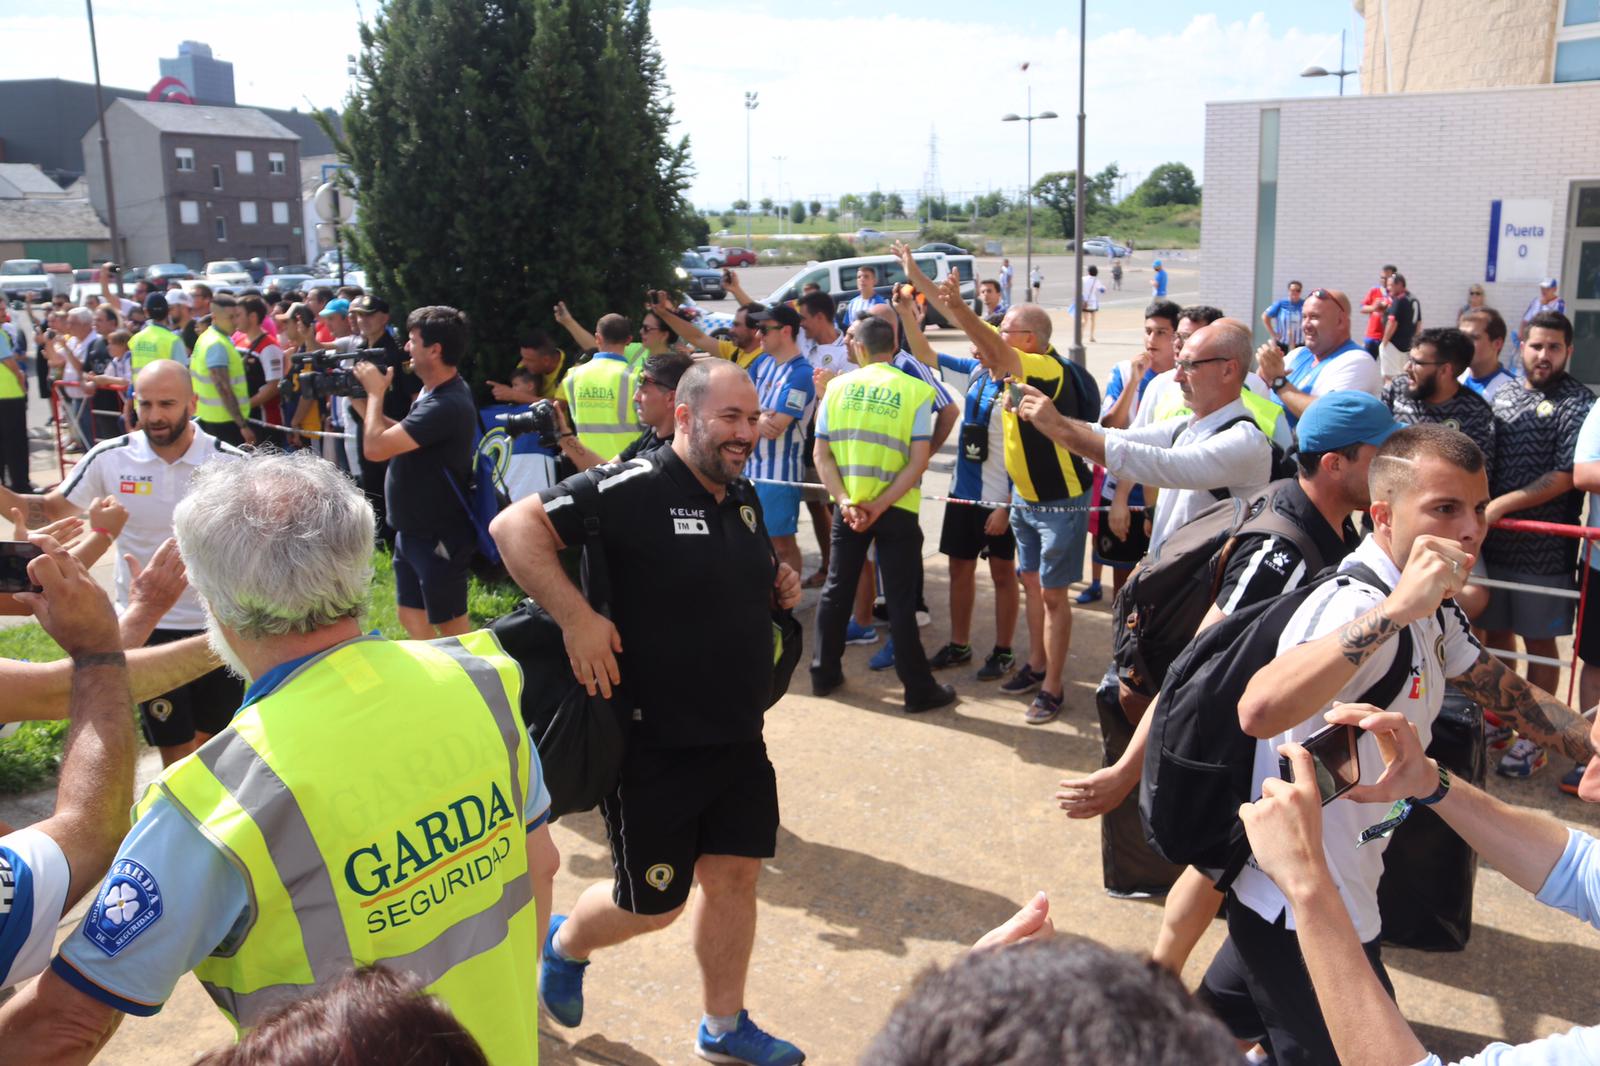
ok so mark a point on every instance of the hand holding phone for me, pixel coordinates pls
(15, 555)
(1335, 758)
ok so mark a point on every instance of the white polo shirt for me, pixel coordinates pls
(1437, 654)
(128, 469)
(33, 894)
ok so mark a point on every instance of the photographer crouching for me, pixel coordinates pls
(428, 456)
(654, 401)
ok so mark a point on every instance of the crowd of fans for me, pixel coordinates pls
(1394, 460)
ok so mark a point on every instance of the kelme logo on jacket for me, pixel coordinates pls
(470, 824)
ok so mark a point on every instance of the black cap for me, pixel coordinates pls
(369, 304)
(782, 315)
(155, 305)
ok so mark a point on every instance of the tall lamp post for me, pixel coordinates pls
(778, 159)
(750, 105)
(117, 251)
(1341, 73)
(1079, 208)
(1029, 119)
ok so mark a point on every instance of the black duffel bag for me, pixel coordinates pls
(1129, 865)
(581, 738)
(1425, 896)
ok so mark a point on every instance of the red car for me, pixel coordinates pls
(740, 257)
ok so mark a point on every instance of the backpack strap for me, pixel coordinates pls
(597, 578)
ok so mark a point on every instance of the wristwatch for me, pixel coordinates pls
(1438, 793)
(1277, 383)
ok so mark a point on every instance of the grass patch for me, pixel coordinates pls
(30, 757)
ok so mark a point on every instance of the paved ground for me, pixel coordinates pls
(905, 838)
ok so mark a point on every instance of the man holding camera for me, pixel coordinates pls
(427, 456)
(371, 317)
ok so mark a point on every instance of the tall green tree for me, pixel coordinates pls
(510, 153)
(1169, 183)
(766, 205)
(1058, 192)
(816, 208)
(797, 212)
(894, 205)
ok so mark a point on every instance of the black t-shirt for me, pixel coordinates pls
(418, 499)
(643, 444)
(1404, 310)
(1265, 565)
(700, 676)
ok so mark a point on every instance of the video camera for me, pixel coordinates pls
(540, 418)
(324, 374)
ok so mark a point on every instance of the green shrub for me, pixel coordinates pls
(833, 246)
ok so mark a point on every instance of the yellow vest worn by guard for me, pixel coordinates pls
(871, 414)
(600, 403)
(209, 406)
(149, 344)
(10, 387)
(374, 803)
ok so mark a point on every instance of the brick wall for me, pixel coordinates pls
(1435, 47)
(1368, 180)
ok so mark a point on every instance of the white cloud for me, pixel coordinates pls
(849, 100)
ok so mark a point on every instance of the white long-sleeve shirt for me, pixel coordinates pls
(1187, 458)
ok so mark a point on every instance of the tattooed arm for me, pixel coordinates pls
(1526, 708)
(1300, 681)
(1542, 489)
(39, 510)
(1303, 679)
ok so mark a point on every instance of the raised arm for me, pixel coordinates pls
(947, 296)
(1291, 688)
(916, 341)
(683, 327)
(580, 336)
(1270, 364)
(730, 281)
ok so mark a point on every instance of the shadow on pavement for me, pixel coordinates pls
(872, 903)
(555, 1051)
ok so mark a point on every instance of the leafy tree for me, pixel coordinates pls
(741, 205)
(875, 202)
(834, 246)
(894, 205)
(728, 218)
(990, 204)
(833, 214)
(1169, 183)
(1058, 192)
(463, 146)
(850, 204)
(766, 205)
(699, 228)
(934, 208)
(797, 212)
(816, 208)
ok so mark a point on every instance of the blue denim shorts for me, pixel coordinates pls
(1050, 543)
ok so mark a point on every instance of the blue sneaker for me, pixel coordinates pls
(883, 659)
(746, 1044)
(855, 633)
(561, 980)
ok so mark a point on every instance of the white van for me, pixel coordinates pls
(837, 277)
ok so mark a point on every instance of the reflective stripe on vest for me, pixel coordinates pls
(871, 416)
(149, 344)
(600, 402)
(371, 829)
(208, 398)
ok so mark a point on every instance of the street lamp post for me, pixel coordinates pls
(778, 159)
(1079, 208)
(118, 253)
(750, 105)
(1341, 73)
(1029, 119)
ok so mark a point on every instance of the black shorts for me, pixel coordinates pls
(1589, 634)
(204, 705)
(673, 805)
(962, 535)
(430, 573)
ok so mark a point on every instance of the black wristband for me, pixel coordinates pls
(1438, 793)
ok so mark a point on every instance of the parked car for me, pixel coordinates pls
(837, 277)
(1103, 246)
(227, 275)
(866, 233)
(699, 278)
(162, 275)
(940, 246)
(27, 279)
(309, 269)
(713, 254)
(737, 257)
(286, 282)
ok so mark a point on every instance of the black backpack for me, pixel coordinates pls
(1159, 608)
(1283, 464)
(1199, 763)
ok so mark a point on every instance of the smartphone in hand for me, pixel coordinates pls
(15, 555)
(1335, 758)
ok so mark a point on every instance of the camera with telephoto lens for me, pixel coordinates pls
(324, 374)
(540, 418)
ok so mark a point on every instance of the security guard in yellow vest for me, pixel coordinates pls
(13, 416)
(599, 393)
(156, 340)
(222, 395)
(872, 446)
(342, 819)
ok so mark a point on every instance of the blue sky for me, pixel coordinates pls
(937, 67)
